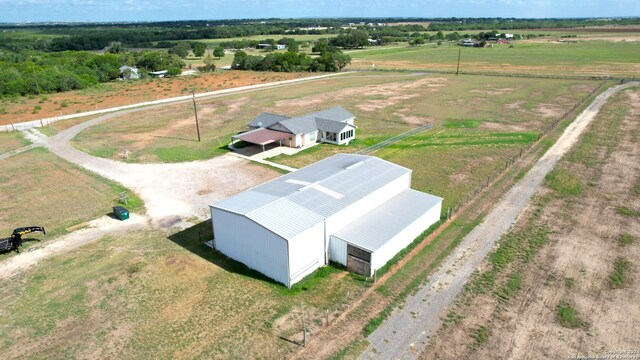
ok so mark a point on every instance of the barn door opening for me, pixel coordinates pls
(358, 260)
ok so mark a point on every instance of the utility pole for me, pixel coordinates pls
(195, 110)
(304, 327)
(458, 67)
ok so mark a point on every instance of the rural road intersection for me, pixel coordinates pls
(405, 334)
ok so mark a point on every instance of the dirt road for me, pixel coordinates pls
(407, 331)
(95, 230)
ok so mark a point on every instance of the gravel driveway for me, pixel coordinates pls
(406, 333)
(174, 192)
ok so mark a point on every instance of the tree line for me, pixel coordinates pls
(36, 72)
(454, 24)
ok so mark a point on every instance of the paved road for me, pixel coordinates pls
(406, 333)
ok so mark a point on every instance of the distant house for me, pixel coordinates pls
(469, 43)
(502, 41)
(129, 73)
(268, 46)
(334, 126)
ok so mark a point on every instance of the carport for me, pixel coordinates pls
(262, 137)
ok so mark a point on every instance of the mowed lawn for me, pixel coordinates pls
(584, 58)
(11, 141)
(38, 188)
(146, 295)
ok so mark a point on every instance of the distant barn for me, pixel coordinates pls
(355, 210)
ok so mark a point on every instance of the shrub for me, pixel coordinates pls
(618, 278)
(568, 316)
(564, 183)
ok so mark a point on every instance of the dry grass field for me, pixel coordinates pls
(120, 93)
(149, 294)
(12, 141)
(564, 280)
(479, 122)
(39, 189)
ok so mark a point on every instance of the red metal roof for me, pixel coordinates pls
(262, 136)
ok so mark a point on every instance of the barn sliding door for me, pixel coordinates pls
(358, 260)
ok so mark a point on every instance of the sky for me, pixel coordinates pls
(162, 10)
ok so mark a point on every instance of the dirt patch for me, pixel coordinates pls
(493, 92)
(515, 105)
(124, 93)
(548, 111)
(496, 126)
(385, 95)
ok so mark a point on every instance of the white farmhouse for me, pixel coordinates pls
(334, 126)
(355, 210)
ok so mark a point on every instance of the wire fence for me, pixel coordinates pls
(394, 139)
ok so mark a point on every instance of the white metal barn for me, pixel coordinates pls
(355, 210)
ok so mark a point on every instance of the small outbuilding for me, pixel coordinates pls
(354, 210)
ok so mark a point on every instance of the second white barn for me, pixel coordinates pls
(355, 210)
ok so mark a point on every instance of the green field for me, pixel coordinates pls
(585, 58)
(39, 189)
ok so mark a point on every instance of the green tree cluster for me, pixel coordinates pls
(290, 62)
(37, 72)
(351, 40)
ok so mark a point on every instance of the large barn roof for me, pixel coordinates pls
(294, 202)
(373, 230)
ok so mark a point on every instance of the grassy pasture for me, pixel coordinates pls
(149, 292)
(38, 188)
(479, 123)
(585, 58)
(11, 141)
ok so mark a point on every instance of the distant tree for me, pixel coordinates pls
(198, 48)
(321, 46)
(290, 43)
(440, 35)
(218, 52)
(209, 66)
(182, 50)
(116, 47)
(351, 40)
(239, 60)
(417, 41)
